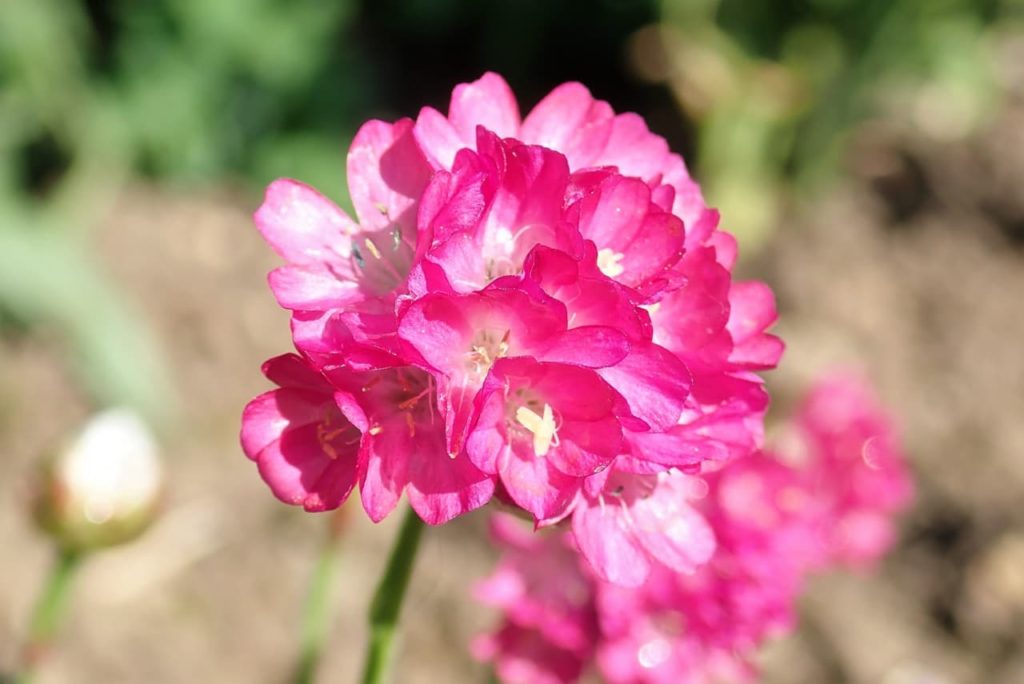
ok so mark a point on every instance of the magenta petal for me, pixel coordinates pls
(675, 448)
(270, 414)
(437, 137)
(590, 346)
(633, 149)
(386, 475)
(387, 173)
(752, 312)
(442, 488)
(488, 439)
(299, 472)
(305, 449)
(302, 225)
(587, 447)
(601, 534)
(654, 383)
(487, 102)
(670, 529)
(571, 121)
(291, 370)
(534, 484)
(759, 353)
(752, 309)
(313, 287)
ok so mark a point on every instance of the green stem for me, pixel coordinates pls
(387, 601)
(48, 614)
(317, 611)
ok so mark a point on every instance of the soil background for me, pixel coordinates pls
(912, 270)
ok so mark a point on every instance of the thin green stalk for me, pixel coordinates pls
(317, 610)
(48, 614)
(387, 601)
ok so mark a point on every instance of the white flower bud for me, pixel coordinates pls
(104, 488)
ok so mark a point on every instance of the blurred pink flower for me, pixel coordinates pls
(774, 521)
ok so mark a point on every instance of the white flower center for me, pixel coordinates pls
(608, 261)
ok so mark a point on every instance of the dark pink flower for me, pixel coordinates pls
(541, 308)
(544, 428)
(403, 446)
(306, 449)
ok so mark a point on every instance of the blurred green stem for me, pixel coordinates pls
(387, 602)
(49, 613)
(317, 611)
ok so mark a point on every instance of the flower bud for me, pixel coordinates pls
(104, 488)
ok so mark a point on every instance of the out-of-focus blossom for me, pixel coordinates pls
(775, 518)
(848, 449)
(538, 309)
(104, 488)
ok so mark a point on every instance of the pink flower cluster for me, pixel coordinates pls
(539, 310)
(827, 497)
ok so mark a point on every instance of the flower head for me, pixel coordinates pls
(537, 308)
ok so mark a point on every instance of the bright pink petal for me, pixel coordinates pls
(442, 488)
(586, 447)
(633, 149)
(591, 346)
(677, 448)
(752, 311)
(385, 478)
(304, 448)
(291, 370)
(302, 225)
(267, 416)
(313, 287)
(387, 173)
(438, 138)
(603, 537)
(487, 102)
(669, 528)
(654, 383)
(534, 484)
(571, 121)
(299, 472)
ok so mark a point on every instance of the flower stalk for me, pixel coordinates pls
(49, 613)
(387, 601)
(317, 612)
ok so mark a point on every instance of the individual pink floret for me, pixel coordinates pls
(306, 449)
(333, 261)
(634, 521)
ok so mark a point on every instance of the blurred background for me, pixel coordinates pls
(869, 154)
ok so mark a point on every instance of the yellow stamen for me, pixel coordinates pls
(542, 427)
(373, 249)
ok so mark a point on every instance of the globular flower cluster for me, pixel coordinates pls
(539, 310)
(825, 497)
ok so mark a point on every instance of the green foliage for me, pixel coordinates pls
(791, 79)
(184, 90)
